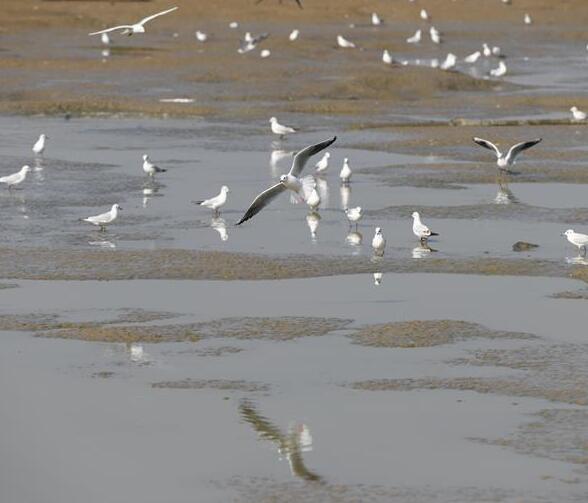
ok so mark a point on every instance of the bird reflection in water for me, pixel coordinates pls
(137, 353)
(220, 226)
(103, 244)
(313, 220)
(322, 188)
(354, 239)
(276, 157)
(150, 190)
(345, 191)
(504, 194)
(423, 250)
(291, 445)
(579, 260)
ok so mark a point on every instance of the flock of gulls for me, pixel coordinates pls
(304, 188)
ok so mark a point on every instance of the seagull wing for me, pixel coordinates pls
(487, 144)
(261, 201)
(115, 28)
(302, 157)
(149, 18)
(519, 147)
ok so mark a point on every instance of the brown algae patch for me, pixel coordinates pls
(577, 295)
(559, 434)
(218, 384)
(274, 329)
(420, 334)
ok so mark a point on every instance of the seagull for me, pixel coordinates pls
(424, 15)
(249, 42)
(416, 38)
(294, 35)
(354, 215)
(105, 39)
(345, 173)
(376, 20)
(323, 164)
(217, 202)
(291, 181)
(496, 51)
(104, 219)
(473, 57)
(577, 239)
(378, 278)
(280, 129)
(39, 146)
(130, 29)
(435, 35)
(499, 71)
(314, 199)
(387, 58)
(449, 62)
(343, 42)
(233, 25)
(151, 168)
(15, 178)
(201, 36)
(419, 229)
(578, 114)
(266, 53)
(527, 19)
(486, 50)
(505, 160)
(378, 242)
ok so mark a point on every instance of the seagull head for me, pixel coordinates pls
(568, 233)
(43, 137)
(145, 157)
(415, 214)
(574, 109)
(25, 169)
(116, 207)
(283, 178)
(378, 231)
(346, 160)
(225, 189)
(327, 154)
(273, 119)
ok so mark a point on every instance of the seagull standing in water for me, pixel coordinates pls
(104, 219)
(291, 181)
(419, 229)
(577, 239)
(379, 243)
(387, 57)
(345, 173)
(343, 42)
(215, 203)
(504, 161)
(354, 215)
(150, 168)
(416, 38)
(130, 29)
(280, 129)
(15, 178)
(577, 114)
(39, 146)
(376, 20)
(323, 164)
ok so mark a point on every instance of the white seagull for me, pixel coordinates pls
(250, 42)
(150, 168)
(376, 20)
(280, 129)
(39, 146)
(378, 242)
(265, 53)
(105, 39)
(387, 58)
(343, 42)
(527, 19)
(354, 215)
(419, 229)
(578, 115)
(130, 29)
(215, 203)
(577, 239)
(104, 219)
(435, 35)
(416, 38)
(323, 164)
(424, 15)
(449, 62)
(293, 35)
(500, 71)
(201, 36)
(345, 173)
(473, 57)
(15, 178)
(486, 50)
(291, 181)
(505, 160)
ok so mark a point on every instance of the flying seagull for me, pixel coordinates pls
(291, 181)
(130, 29)
(505, 160)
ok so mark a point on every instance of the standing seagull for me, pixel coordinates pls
(345, 173)
(130, 29)
(577, 114)
(291, 181)
(104, 219)
(505, 160)
(15, 178)
(379, 243)
(343, 42)
(151, 168)
(419, 229)
(376, 20)
(323, 164)
(217, 202)
(416, 38)
(39, 146)
(280, 129)
(354, 215)
(577, 239)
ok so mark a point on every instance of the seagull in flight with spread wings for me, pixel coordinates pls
(291, 181)
(129, 29)
(504, 161)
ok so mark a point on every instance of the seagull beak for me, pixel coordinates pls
(120, 207)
